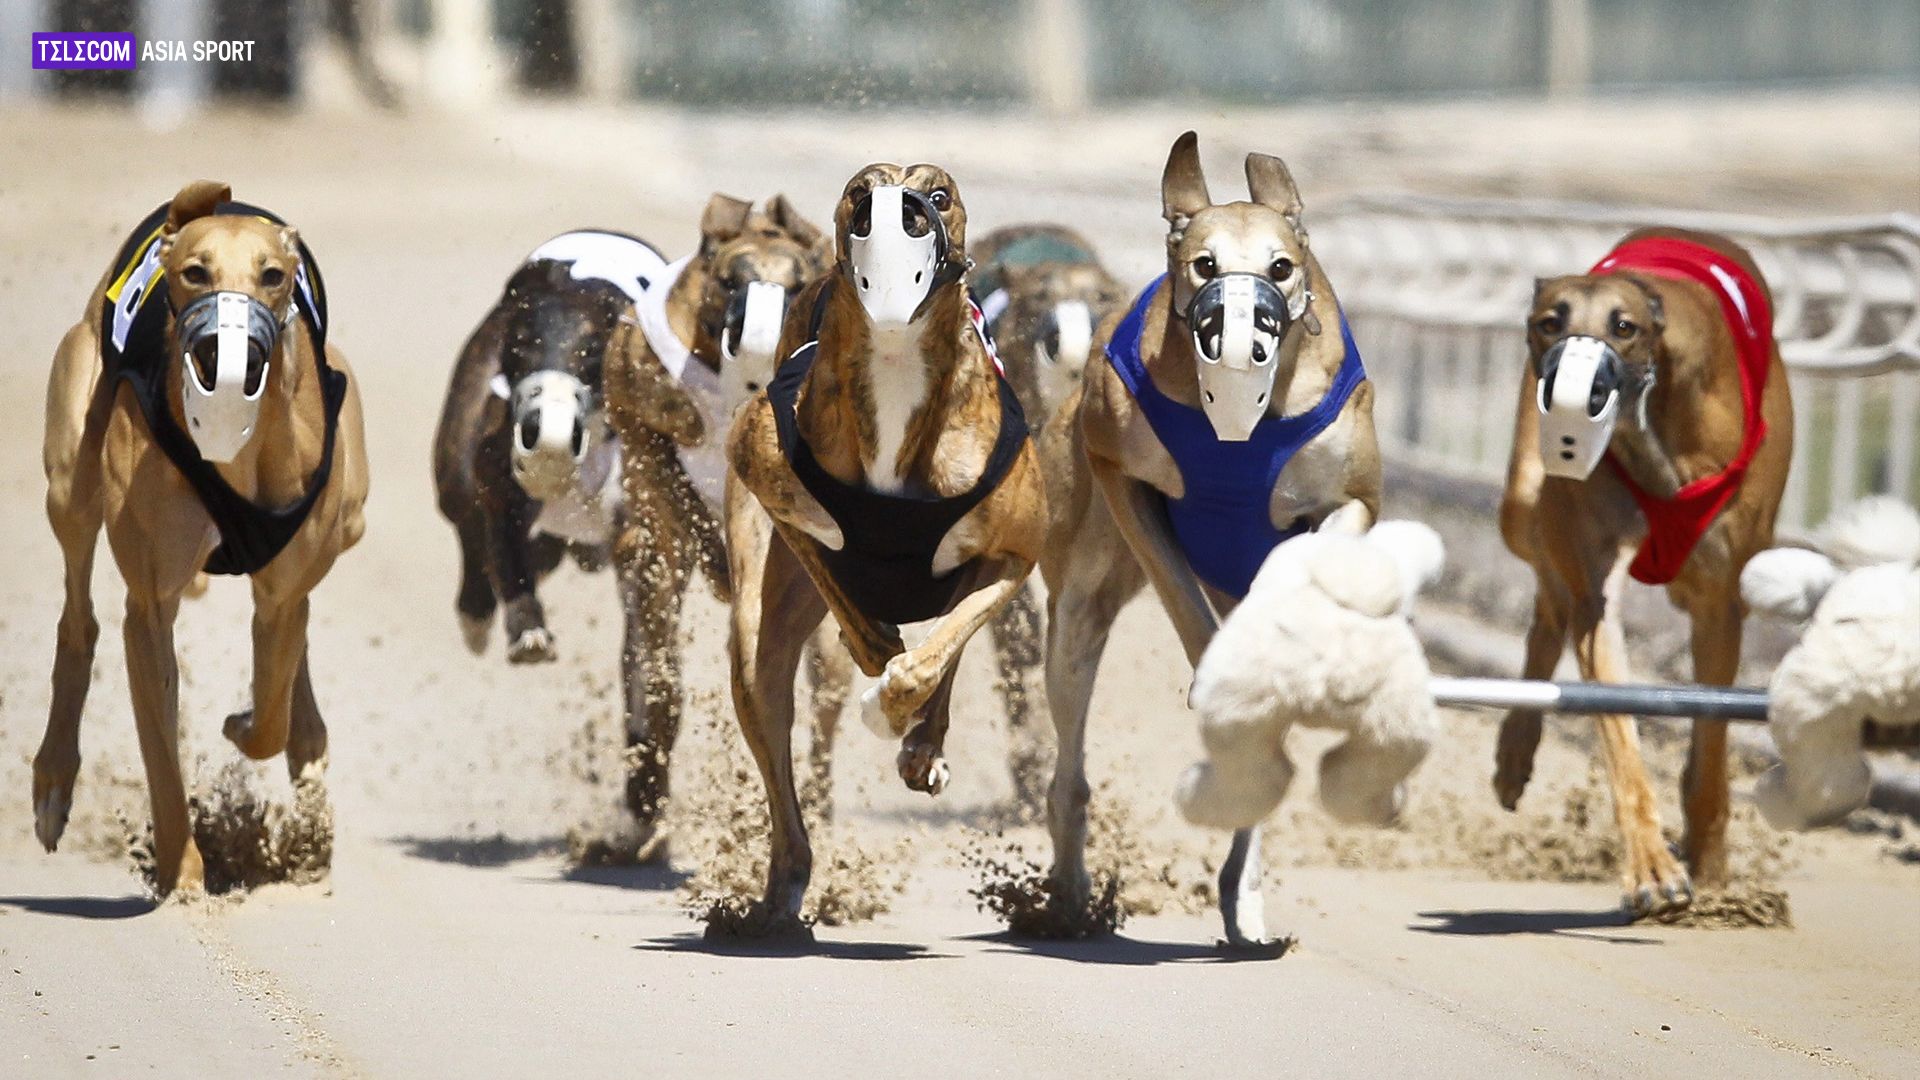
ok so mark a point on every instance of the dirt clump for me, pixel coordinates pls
(246, 839)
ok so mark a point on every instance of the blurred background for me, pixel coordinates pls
(1060, 55)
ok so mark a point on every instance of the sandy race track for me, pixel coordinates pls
(453, 939)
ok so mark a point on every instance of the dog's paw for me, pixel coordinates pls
(533, 646)
(50, 816)
(873, 712)
(923, 768)
(475, 630)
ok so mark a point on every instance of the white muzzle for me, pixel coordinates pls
(1064, 348)
(236, 334)
(1579, 401)
(893, 269)
(1238, 321)
(747, 347)
(551, 410)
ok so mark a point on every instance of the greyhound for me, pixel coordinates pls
(885, 476)
(1232, 412)
(1661, 362)
(198, 413)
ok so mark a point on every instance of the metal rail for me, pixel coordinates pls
(1701, 702)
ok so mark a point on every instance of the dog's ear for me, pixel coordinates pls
(1183, 187)
(781, 210)
(196, 200)
(1270, 184)
(724, 219)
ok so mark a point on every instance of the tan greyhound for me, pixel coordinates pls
(197, 413)
(885, 477)
(1661, 361)
(1229, 412)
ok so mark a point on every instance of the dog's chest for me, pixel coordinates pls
(586, 515)
(897, 384)
(1315, 479)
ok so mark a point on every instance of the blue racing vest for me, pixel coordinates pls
(1222, 522)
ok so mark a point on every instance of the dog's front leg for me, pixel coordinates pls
(1651, 878)
(153, 676)
(279, 646)
(909, 681)
(509, 516)
(1142, 518)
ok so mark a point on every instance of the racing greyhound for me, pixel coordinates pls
(198, 412)
(886, 476)
(1661, 362)
(1230, 412)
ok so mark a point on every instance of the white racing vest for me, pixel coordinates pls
(705, 464)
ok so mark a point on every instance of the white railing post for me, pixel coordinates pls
(1057, 56)
(166, 91)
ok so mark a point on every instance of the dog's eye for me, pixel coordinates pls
(1624, 328)
(1281, 270)
(196, 275)
(1549, 324)
(940, 199)
(1205, 267)
(272, 277)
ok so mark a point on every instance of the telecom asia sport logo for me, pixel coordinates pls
(123, 52)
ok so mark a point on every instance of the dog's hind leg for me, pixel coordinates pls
(775, 610)
(829, 684)
(1520, 730)
(76, 424)
(279, 651)
(652, 581)
(1018, 646)
(1716, 661)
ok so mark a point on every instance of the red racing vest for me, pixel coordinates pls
(1675, 525)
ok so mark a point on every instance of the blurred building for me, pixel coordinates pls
(1061, 55)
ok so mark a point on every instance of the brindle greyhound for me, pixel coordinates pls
(885, 477)
(182, 418)
(522, 459)
(1231, 413)
(1665, 336)
(1042, 292)
(706, 338)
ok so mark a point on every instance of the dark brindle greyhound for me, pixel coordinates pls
(523, 462)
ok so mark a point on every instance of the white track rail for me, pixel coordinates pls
(1438, 289)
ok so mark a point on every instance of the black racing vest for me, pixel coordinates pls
(133, 336)
(885, 567)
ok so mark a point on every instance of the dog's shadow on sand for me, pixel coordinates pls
(82, 907)
(791, 948)
(1122, 951)
(493, 852)
(1573, 924)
